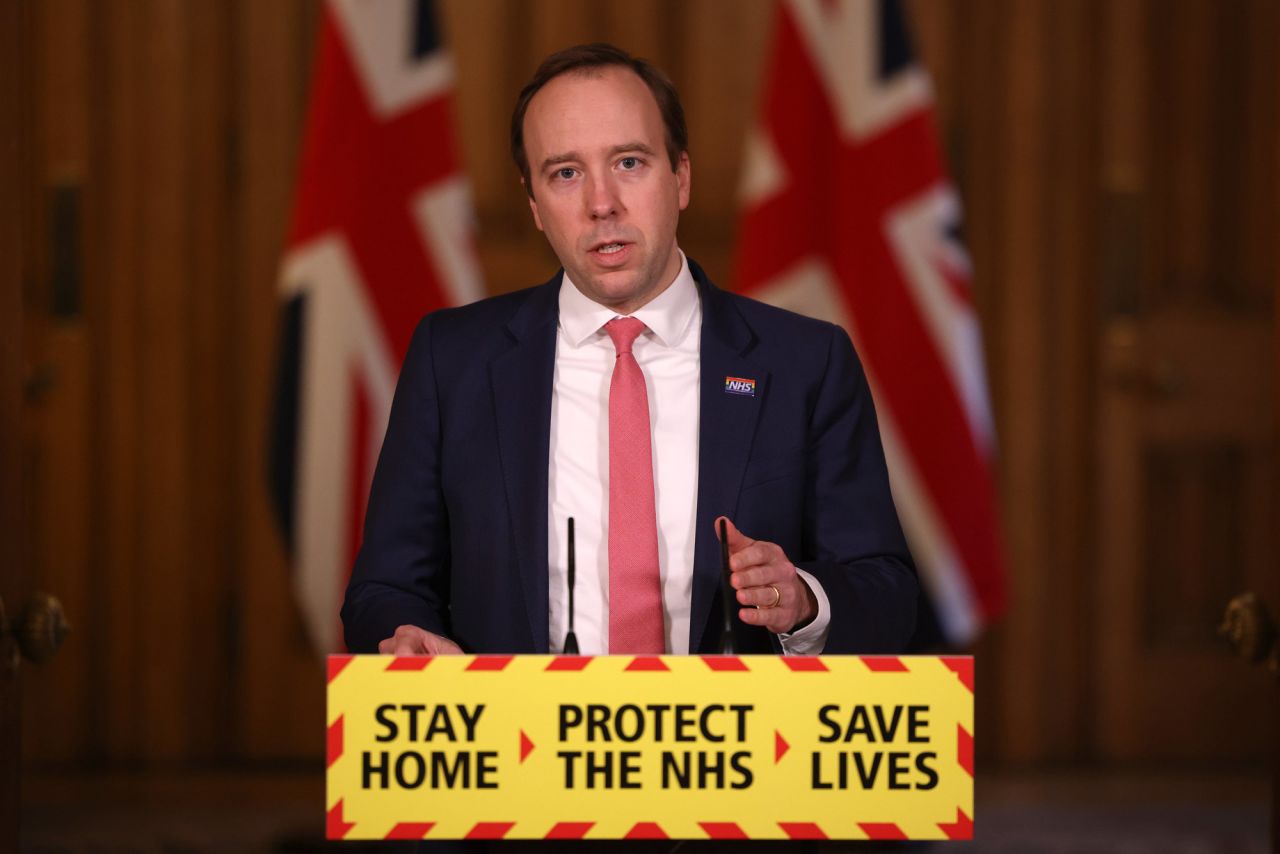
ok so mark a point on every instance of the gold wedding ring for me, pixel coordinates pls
(777, 597)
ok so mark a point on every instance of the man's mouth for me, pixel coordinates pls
(611, 254)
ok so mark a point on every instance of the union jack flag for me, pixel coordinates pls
(848, 215)
(381, 234)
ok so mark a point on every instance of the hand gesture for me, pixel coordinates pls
(767, 582)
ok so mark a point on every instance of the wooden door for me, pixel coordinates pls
(1186, 357)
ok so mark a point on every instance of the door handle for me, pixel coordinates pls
(39, 629)
(1248, 627)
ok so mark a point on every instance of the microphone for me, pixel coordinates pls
(727, 595)
(570, 639)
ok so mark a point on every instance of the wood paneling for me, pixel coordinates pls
(279, 705)
(1195, 511)
(57, 451)
(1185, 485)
(133, 470)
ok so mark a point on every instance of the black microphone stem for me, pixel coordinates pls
(727, 595)
(570, 639)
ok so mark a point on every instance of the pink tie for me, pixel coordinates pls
(635, 590)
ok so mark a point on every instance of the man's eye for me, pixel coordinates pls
(629, 162)
(565, 174)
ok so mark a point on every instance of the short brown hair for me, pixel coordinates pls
(585, 57)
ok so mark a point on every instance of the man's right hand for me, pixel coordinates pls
(411, 640)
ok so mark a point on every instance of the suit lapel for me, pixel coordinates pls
(727, 424)
(522, 379)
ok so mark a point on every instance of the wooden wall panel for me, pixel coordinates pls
(134, 463)
(279, 710)
(57, 445)
(116, 625)
(160, 389)
(1021, 393)
(1069, 271)
(725, 49)
(211, 379)
(1183, 378)
(487, 83)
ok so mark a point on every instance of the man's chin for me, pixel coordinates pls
(614, 288)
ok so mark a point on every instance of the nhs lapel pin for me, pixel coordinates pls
(740, 385)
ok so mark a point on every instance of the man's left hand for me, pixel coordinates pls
(777, 598)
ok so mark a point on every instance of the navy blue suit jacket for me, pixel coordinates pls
(455, 537)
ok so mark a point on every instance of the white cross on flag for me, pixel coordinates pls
(848, 215)
(381, 234)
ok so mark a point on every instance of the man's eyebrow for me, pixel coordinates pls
(553, 159)
(569, 156)
(632, 146)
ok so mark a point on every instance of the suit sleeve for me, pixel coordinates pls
(401, 572)
(850, 523)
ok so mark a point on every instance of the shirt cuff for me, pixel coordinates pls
(812, 638)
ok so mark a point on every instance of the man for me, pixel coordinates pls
(631, 394)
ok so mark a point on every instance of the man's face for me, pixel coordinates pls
(603, 191)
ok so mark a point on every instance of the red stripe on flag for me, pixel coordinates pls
(804, 663)
(886, 830)
(334, 826)
(490, 830)
(884, 664)
(801, 830)
(409, 662)
(962, 666)
(646, 830)
(334, 743)
(336, 664)
(964, 749)
(961, 828)
(410, 830)
(725, 663)
(490, 662)
(569, 662)
(722, 830)
(647, 663)
(569, 830)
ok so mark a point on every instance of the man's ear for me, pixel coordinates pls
(533, 204)
(683, 178)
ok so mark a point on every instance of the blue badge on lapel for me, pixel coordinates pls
(740, 385)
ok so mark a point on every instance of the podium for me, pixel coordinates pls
(650, 747)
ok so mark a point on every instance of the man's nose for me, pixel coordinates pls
(602, 197)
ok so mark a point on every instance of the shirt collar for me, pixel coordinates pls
(667, 315)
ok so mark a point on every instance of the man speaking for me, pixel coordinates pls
(631, 394)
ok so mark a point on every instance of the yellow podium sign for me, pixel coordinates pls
(624, 747)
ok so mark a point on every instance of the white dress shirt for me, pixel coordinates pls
(578, 478)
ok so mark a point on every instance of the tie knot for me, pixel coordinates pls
(624, 331)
